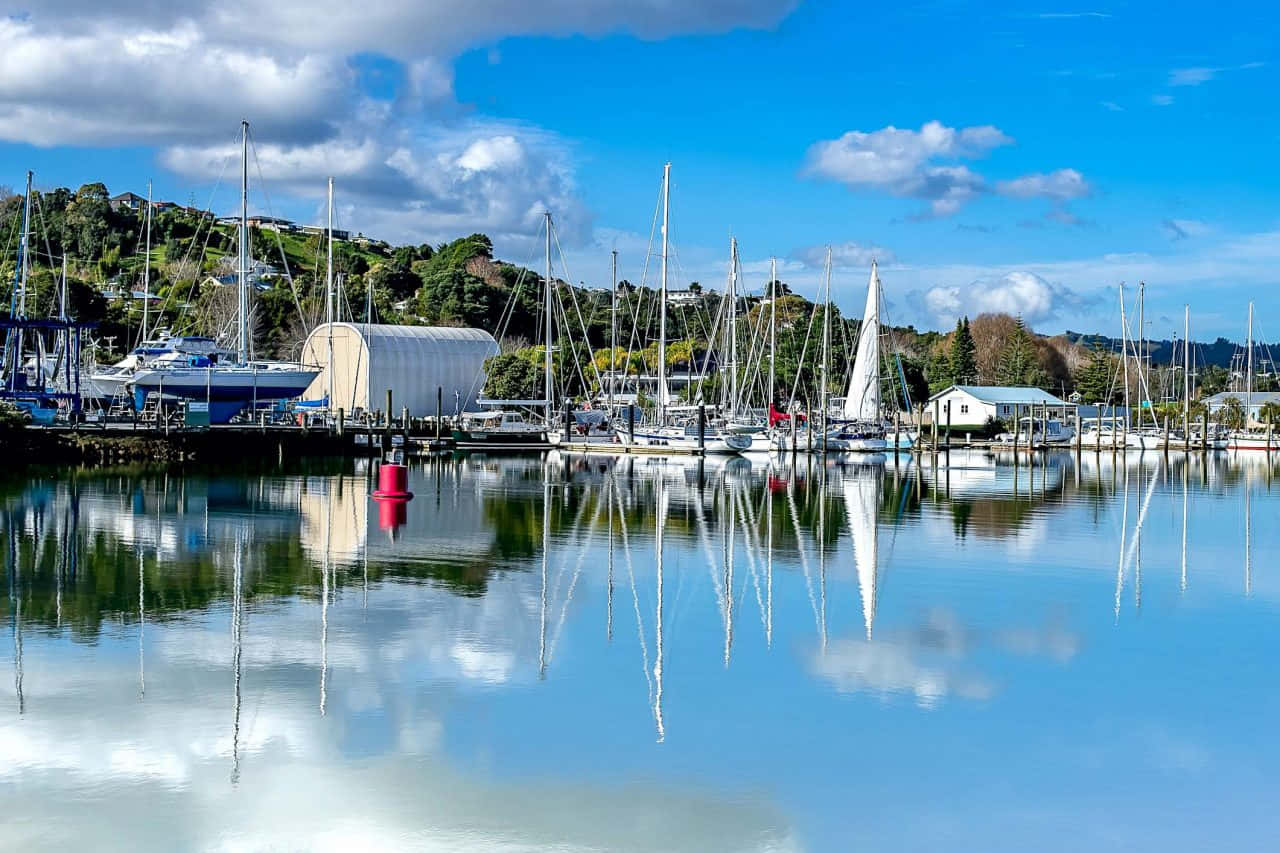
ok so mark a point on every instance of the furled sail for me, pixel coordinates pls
(863, 400)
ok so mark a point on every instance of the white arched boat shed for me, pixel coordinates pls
(410, 361)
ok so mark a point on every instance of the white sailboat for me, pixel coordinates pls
(226, 388)
(1245, 439)
(661, 434)
(863, 429)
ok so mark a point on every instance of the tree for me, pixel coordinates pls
(1231, 415)
(990, 334)
(1019, 362)
(510, 376)
(964, 364)
(1213, 379)
(1270, 413)
(938, 368)
(1095, 381)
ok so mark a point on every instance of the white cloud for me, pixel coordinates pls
(904, 162)
(1022, 294)
(847, 255)
(181, 76)
(921, 164)
(1112, 106)
(1162, 100)
(1061, 185)
(1202, 74)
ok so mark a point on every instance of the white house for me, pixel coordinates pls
(1256, 401)
(971, 406)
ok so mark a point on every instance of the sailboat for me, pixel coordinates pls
(660, 433)
(227, 386)
(1245, 439)
(864, 429)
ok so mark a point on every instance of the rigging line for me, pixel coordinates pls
(635, 594)
(577, 573)
(577, 310)
(751, 534)
(206, 219)
(284, 258)
(804, 557)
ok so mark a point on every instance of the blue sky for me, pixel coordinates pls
(992, 156)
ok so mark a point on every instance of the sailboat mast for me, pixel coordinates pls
(773, 323)
(243, 282)
(826, 340)
(18, 303)
(328, 293)
(613, 334)
(146, 272)
(24, 262)
(661, 409)
(1186, 373)
(1248, 382)
(1124, 355)
(62, 298)
(731, 317)
(546, 362)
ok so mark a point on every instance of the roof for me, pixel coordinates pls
(1257, 398)
(1004, 394)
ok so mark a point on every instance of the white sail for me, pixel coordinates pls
(863, 400)
(862, 500)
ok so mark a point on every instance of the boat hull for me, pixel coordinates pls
(678, 442)
(228, 392)
(476, 439)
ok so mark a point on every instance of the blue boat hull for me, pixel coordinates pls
(224, 402)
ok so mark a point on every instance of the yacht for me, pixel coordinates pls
(226, 382)
(498, 429)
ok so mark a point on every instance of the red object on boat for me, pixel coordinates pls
(776, 417)
(393, 483)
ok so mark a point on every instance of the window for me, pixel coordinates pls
(964, 408)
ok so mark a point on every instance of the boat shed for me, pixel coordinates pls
(973, 405)
(413, 362)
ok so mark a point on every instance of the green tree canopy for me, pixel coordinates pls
(1019, 363)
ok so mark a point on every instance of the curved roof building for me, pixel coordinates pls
(410, 361)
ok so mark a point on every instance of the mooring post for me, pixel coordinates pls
(404, 426)
(948, 429)
(1017, 429)
(568, 421)
(897, 426)
(702, 427)
(631, 423)
(342, 423)
(934, 444)
(1115, 431)
(1204, 432)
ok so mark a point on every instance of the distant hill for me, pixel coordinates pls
(1221, 352)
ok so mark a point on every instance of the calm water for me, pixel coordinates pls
(731, 657)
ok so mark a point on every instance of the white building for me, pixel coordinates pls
(410, 361)
(1255, 402)
(971, 406)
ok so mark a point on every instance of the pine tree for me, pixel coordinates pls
(964, 361)
(1019, 362)
(1094, 380)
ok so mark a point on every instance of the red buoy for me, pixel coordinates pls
(393, 483)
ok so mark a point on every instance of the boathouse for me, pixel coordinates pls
(413, 362)
(971, 406)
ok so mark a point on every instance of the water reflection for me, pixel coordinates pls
(476, 657)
